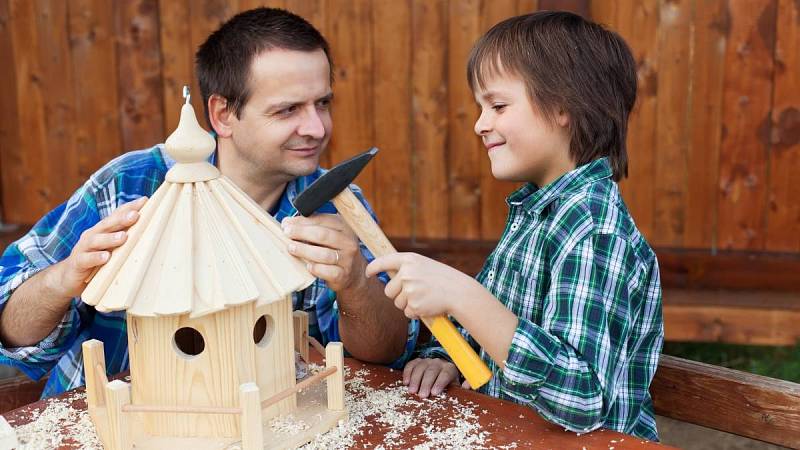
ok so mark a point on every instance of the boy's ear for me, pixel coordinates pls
(562, 118)
(220, 115)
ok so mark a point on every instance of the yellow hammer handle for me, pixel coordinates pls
(464, 357)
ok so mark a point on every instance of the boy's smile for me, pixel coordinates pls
(522, 144)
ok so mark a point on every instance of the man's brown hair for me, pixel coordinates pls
(572, 65)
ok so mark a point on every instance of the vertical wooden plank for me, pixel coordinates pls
(392, 107)
(244, 5)
(604, 12)
(9, 120)
(494, 210)
(205, 16)
(637, 23)
(707, 65)
(94, 62)
(140, 88)
(26, 164)
(783, 211)
(746, 119)
(464, 148)
(672, 132)
(527, 6)
(429, 100)
(350, 33)
(300, 325)
(580, 7)
(177, 62)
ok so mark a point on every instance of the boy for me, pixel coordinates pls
(567, 308)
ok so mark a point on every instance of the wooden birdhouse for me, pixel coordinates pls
(206, 280)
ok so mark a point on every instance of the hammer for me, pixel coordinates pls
(333, 186)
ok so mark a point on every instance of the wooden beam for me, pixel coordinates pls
(19, 390)
(729, 400)
(685, 269)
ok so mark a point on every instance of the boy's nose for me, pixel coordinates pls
(481, 125)
(312, 125)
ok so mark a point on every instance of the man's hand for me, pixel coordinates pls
(330, 248)
(94, 248)
(429, 376)
(424, 287)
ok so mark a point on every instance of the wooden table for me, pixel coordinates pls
(506, 423)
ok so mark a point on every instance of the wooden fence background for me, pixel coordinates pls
(714, 142)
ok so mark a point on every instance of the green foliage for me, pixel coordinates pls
(775, 362)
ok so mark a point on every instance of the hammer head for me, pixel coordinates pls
(331, 183)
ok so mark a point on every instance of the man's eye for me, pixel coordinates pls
(287, 111)
(324, 104)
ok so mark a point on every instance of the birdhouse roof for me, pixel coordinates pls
(200, 245)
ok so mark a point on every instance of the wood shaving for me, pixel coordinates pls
(59, 424)
(401, 420)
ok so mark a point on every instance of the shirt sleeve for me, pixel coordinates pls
(568, 367)
(48, 242)
(327, 307)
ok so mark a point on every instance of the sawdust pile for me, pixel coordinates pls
(59, 424)
(389, 412)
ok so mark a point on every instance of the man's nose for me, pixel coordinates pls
(312, 125)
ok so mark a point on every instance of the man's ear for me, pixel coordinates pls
(221, 116)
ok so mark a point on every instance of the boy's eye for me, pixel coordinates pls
(499, 107)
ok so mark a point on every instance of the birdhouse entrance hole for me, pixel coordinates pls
(189, 342)
(262, 330)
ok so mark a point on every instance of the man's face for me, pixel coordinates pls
(286, 123)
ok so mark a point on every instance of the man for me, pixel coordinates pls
(265, 77)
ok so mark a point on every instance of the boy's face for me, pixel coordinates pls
(522, 144)
(286, 123)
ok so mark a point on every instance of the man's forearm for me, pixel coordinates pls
(372, 329)
(33, 310)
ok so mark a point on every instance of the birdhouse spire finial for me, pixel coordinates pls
(190, 146)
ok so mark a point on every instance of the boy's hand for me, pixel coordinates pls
(429, 376)
(94, 248)
(329, 247)
(423, 287)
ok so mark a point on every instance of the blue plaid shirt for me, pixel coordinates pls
(51, 240)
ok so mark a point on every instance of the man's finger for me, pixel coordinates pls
(123, 217)
(90, 260)
(106, 241)
(393, 288)
(313, 253)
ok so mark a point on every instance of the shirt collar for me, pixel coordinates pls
(535, 199)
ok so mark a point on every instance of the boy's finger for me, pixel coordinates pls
(430, 375)
(416, 377)
(387, 263)
(441, 383)
(408, 369)
(466, 385)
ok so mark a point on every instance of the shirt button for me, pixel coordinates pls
(514, 226)
(490, 275)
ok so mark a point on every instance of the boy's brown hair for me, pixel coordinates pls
(569, 64)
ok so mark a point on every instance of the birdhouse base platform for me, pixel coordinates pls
(120, 424)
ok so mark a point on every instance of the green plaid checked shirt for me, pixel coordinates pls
(585, 286)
